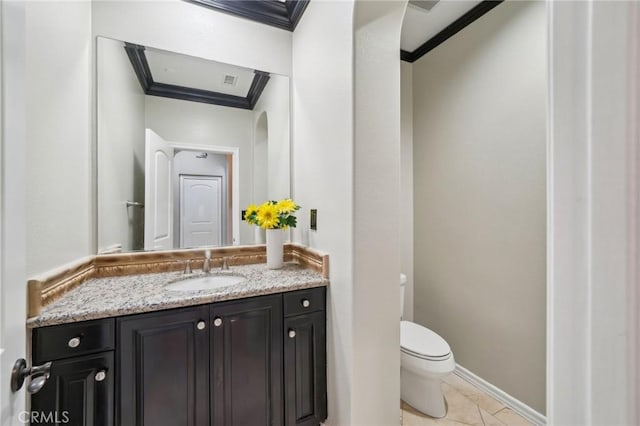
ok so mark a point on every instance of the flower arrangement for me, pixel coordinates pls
(273, 214)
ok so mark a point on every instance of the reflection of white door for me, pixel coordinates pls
(200, 211)
(158, 214)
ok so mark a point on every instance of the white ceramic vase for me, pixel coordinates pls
(275, 239)
(258, 235)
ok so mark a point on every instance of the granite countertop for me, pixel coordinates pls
(133, 294)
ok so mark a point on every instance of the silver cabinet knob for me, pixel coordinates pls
(74, 343)
(201, 325)
(101, 375)
(292, 334)
(305, 303)
(217, 322)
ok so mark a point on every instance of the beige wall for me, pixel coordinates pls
(479, 170)
(406, 184)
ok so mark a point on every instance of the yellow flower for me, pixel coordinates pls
(268, 216)
(251, 209)
(286, 206)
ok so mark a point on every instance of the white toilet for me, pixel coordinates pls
(425, 358)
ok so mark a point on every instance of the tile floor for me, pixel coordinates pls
(467, 405)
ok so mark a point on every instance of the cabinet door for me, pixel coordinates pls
(246, 349)
(79, 392)
(163, 363)
(305, 369)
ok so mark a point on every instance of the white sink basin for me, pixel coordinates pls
(205, 282)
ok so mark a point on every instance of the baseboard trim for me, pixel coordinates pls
(516, 405)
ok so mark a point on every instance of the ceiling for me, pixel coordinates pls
(189, 71)
(421, 24)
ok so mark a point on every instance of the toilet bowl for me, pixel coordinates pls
(425, 358)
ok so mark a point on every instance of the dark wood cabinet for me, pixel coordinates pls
(231, 363)
(184, 367)
(79, 392)
(163, 362)
(246, 360)
(305, 361)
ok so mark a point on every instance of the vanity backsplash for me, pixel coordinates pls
(47, 288)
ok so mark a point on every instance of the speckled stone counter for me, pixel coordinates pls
(132, 294)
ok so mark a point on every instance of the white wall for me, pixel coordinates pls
(60, 99)
(260, 158)
(376, 247)
(183, 27)
(275, 101)
(322, 93)
(480, 197)
(58, 102)
(205, 124)
(615, 137)
(121, 124)
(594, 195)
(406, 184)
(337, 157)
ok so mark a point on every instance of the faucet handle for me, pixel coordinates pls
(206, 265)
(225, 264)
(187, 267)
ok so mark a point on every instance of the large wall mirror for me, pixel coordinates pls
(184, 143)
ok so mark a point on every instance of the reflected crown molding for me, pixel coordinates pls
(140, 65)
(280, 14)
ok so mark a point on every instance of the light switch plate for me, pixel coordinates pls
(314, 219)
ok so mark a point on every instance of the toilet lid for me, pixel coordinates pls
(421, 341)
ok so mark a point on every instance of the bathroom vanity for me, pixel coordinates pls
(255, 357)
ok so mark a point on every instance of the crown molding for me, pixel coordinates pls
(451, 30)
(140, 66)
(284, 15)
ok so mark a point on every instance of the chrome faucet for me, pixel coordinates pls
(206, 265)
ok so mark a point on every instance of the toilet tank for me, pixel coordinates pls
(403, 282)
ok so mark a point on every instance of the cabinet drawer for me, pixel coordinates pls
(303, 301)
(63, 341)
